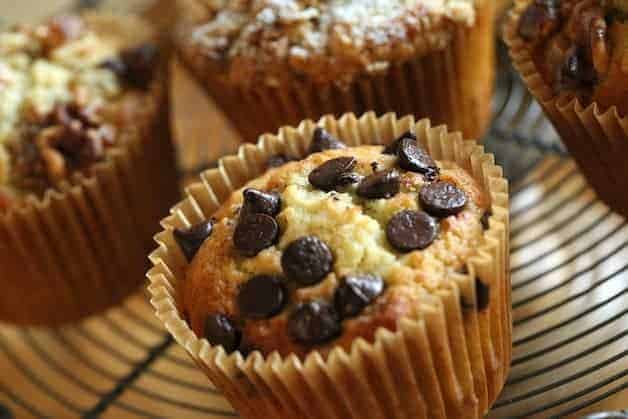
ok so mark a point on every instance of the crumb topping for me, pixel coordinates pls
(63, 87)
(305, 37)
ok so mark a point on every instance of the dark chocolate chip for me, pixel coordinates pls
(485, 220)
(411, 230)
(577, 70)
(482, 294)
(393, 147)
(277, 160)
(314, 322)
(539, 20)
(307, 260)
(246, 348)
(261, 297)
(191, 239)
(5, 412)
(442, 199)
(323, 140)
(136, 66)
(414, 158)
(355, 292)
(380, 185)
(220, 330)
(334, 174)
(254, 233)
(260, 202)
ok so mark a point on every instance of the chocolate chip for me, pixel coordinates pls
(314, 322)
(277, 160)
(260, 202)
(191, 239)
(334, 174)
(246, 348)
(539, 20)
(355, 292)
(442, 199)
(220, 330)
(323, 140)
(261, 297)
(482, 294)
(136, 66)
(411, 230)
(393, 147)
(414, 158)
(5, 412)
(307, 260)
(577, 70)
(380, 185)
(485, 219)
(254, 233)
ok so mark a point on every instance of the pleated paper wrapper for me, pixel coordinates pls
(451, 86)
(449, 362)
(596, 137)
(82, 248)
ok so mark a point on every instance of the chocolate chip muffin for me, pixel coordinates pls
(83, 122)
(298, 59)
(322, 251)
(340, 262)
(580, 47)
(572, 55)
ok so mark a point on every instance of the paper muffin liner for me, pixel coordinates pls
(82, 247)
(450, 361)
(452, 86)
(596, 137)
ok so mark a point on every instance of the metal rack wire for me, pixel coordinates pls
(570, 308)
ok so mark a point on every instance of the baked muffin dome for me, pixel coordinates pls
(71, 89)
(271, 42)
(318, 252)
(579, 48)
(270, 63)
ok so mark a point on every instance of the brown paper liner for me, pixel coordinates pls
(82, 248)
(597, 138)
(449, 362)
(453, 86)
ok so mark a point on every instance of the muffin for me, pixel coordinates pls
(572, 55)
(269, 63)
(83, 130)
(363, 278)
(502, 7)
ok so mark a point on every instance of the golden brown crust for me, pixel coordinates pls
(216, 273)
(277, 43)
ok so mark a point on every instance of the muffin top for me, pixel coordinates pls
(318, 252)
(579, 48)
(274, 41)
(70, 89)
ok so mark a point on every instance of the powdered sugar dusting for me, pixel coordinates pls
(303, 35)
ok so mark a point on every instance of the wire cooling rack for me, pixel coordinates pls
(570, 309)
